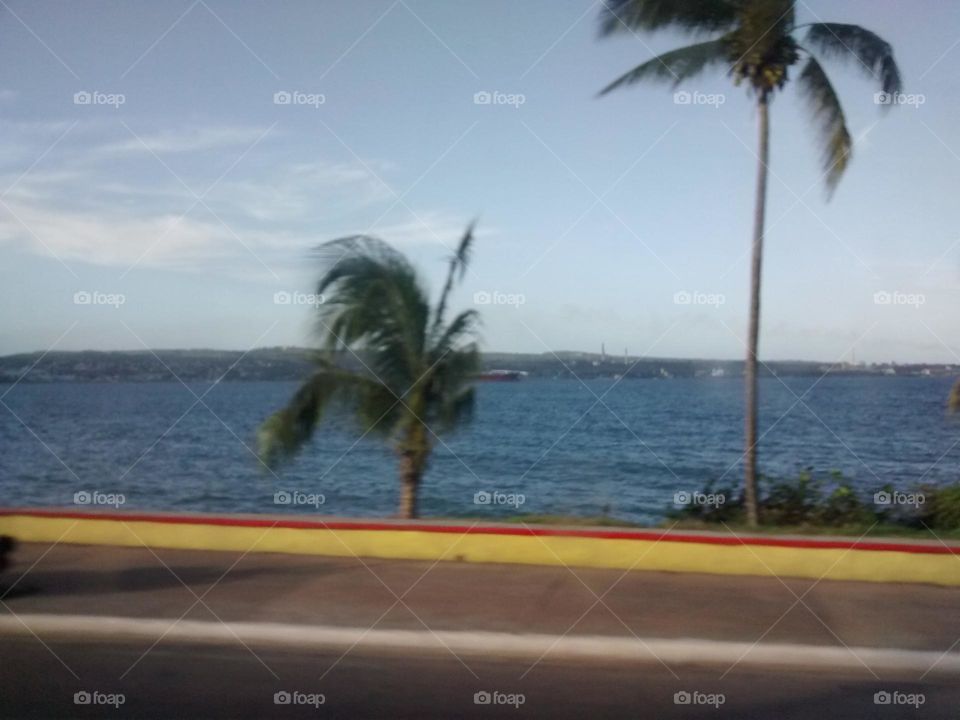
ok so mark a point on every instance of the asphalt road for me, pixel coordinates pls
(233, 682)
(349, 592)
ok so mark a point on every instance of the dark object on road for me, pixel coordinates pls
(7, 545)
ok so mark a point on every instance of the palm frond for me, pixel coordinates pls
(675, 66)
(458, 266)
(852, 42)
(283, 434)
(828, 113)
(691, 16)
(380, 409)
(363, 257)
(451, 386)
(457, 409)
(463, 325)
(373, 299)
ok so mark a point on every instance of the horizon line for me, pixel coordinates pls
(547, 354)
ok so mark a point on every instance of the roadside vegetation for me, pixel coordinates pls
(813, 504)
(806, 505)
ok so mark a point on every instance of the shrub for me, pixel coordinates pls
(791, 502)
(808, 500)
(730, 511)
(843, 507)
(946, 508)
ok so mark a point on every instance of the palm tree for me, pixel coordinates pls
(757, 41)
(416, 370)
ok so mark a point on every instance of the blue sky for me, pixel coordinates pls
(199, 198)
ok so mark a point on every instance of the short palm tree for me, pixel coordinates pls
(758, 42)
(416, 370)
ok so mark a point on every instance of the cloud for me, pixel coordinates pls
(183, 141)
(424, 228)
(303, 191)
(81, 206)
(120, 240)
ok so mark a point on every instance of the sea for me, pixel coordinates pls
(625, 449)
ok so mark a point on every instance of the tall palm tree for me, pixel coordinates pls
(416, 370)
(758, 42)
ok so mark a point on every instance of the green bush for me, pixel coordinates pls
(790, 502)
(730, 511)
(831, 502)
(946, 508)
(843, 507)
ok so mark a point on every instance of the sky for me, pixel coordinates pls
(167, 170)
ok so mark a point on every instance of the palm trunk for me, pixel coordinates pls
(753, 335)
(411, 470)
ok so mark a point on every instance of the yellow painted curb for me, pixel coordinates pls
(635, 551)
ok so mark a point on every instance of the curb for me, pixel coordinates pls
(827, 558)
(530, 646)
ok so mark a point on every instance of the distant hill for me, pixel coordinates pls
(293, 363)
(157, 366)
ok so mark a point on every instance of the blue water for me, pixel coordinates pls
(547, 439)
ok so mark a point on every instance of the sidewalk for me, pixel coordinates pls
(451, 597)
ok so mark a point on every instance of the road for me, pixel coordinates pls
(406, 594)
(231, 682)
(176, 676)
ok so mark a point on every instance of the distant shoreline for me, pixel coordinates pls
(293, 364)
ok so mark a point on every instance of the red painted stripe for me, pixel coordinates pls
(612, 534)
